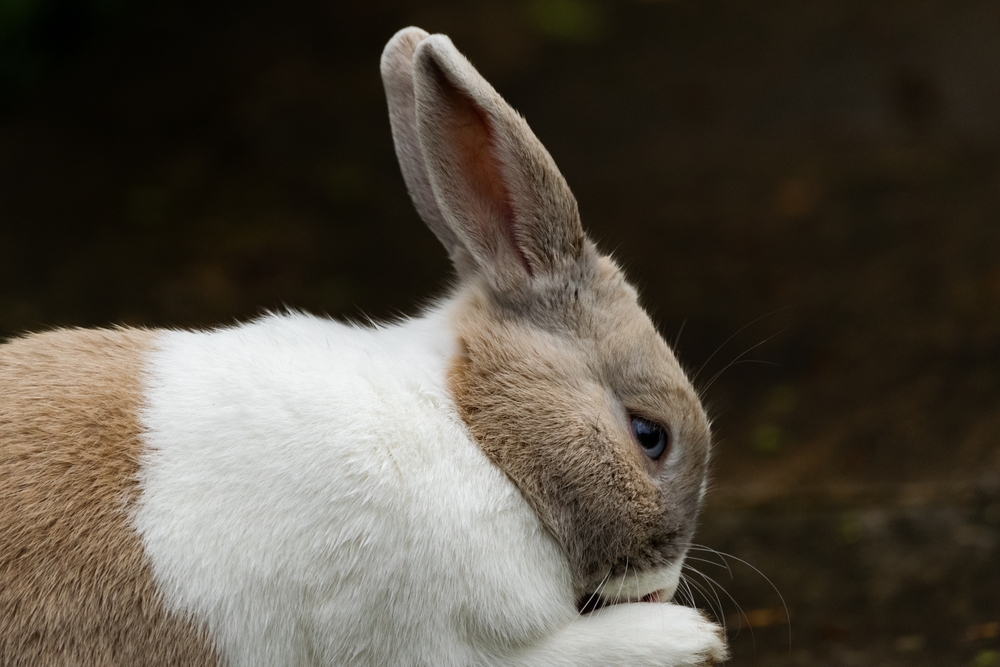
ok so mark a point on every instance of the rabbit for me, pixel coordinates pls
(511, 478)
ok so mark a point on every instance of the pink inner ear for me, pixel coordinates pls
(473, 138)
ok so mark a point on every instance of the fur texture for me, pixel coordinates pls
(311, 494)
(75, 584)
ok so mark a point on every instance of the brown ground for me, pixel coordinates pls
(826, 175)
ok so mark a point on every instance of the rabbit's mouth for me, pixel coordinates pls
(593, 602)
(656, 585)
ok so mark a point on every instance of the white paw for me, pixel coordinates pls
(679, 635)
(703, 639)
(637, 635)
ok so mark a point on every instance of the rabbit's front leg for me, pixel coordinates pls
(639, 634)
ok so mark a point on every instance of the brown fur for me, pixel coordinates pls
(548, 398)
(75, 585)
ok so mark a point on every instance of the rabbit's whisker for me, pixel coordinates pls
(712, 599)
(738, 332)
(715, 585)
(593, 600)
(743, 354)
(724, 556)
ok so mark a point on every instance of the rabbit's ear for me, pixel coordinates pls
(397, 77)
(496, 187)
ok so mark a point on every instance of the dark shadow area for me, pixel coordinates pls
(807, 194)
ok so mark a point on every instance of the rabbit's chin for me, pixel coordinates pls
(656, 585)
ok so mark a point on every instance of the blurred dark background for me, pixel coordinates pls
(807, 194)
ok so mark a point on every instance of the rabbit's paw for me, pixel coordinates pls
(636, 634)
(669, 634)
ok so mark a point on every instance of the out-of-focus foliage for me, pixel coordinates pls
(570, 20)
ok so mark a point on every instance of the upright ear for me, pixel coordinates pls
(397, 77)
(495, 186)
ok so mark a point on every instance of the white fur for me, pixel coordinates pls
(311, 497)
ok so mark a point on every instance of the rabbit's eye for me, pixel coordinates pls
(652, 437)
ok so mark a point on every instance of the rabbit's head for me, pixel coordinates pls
(561, 377)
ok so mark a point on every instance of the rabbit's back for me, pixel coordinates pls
(75, 584)
(295, 487)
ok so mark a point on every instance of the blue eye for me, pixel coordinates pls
(652, 438)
